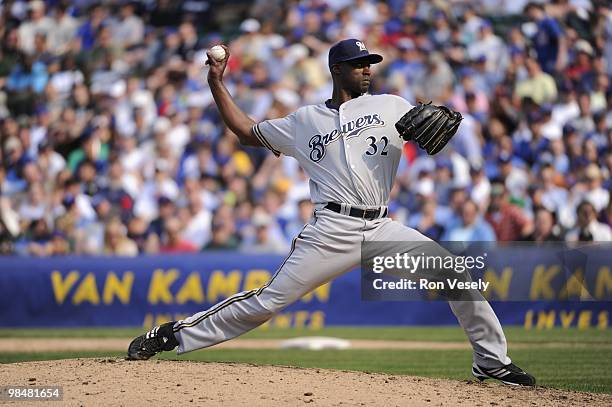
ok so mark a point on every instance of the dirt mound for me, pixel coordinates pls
(118, 382)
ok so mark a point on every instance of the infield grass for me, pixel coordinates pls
(435, 334)
(584, 368)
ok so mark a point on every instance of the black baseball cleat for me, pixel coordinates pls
(159, 339)
(509, 374)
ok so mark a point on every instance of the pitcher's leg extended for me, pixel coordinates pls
(305, 269)
(242, 312)
(313, 260)
(475, 315)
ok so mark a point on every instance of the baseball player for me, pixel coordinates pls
(350, 147)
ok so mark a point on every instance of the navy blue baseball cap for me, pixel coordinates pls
(351, 49)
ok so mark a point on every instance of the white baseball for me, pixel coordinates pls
(217, 52)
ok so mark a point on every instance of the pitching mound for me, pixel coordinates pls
(117, 382)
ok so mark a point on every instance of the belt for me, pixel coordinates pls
(369, 214)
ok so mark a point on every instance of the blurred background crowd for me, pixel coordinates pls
(111, 143)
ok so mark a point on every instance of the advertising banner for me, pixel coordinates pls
(142, 291)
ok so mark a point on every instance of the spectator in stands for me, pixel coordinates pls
(458, 197)
(35, 206)
(90, 239)
(545, 227)
(172, 242)
(51, 163)
(6, 241)
(481, 187)
(26, 81)
(264, 241)
(38, 239)
(560, 160)
(304, 215)
(223, 237)
(507, 220)
(566, 109)
(137, 232)
(410, 64)
(10, 52)
(42, 54)
(116, 242)
(197, 219)
(514, 177)
(588, 229)
(166, 210)
(105, 114)
(595, 193)
(492, 48)
(60, 246)
(580, 69)
(553, 196)
(62, 36)
(427, 224)
(539, 86)
(129, 30)
(436, 82)
(37, 23)
(9, 223)
(548, 38)
(443, 181)
(472, 228)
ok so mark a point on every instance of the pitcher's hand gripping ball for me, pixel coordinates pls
(430, 126)
(218, 53)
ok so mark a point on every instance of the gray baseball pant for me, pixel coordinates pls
(328, 247)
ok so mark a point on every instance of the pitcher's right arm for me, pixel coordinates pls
(237, 121)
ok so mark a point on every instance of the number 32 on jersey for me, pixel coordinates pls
(377, 146)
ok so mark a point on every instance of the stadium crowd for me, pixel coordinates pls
(111, 142)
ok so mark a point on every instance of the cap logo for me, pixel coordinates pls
(361, 46)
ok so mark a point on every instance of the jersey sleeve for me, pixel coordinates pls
(402, 106)
(277, 135)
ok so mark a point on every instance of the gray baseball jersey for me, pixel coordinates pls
(350, 154)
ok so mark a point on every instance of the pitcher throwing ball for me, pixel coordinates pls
(350, 146)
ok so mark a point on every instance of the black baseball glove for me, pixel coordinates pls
(430, 126)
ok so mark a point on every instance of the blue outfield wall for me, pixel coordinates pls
(112, 291)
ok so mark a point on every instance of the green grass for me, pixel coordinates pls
(578, 368)
(437, 334)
